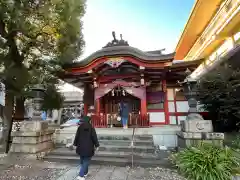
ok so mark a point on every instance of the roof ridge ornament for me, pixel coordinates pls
(116, 42)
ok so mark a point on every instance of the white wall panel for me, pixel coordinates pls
(182, 106)
(171, 106)
(173, 120)
(156, 117)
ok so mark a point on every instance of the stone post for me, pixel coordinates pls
(33, 139)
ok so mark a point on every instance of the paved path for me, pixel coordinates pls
(49, 171)
(19, 168)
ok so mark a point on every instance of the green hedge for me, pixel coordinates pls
(206, 162)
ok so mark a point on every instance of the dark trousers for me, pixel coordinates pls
(84, 161)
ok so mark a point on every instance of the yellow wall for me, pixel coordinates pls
(220, 36)
(223, 25)
(228, 44)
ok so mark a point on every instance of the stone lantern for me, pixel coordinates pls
(190, 92)
(33, 139)
(195, 130)
(37, 93)
(189, 86)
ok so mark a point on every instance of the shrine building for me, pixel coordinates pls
(147, 81)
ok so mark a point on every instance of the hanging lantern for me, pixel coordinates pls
(142, 81)
(123, 93)
(95, 84)
(112, 92)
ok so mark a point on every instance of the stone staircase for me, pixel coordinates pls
(117, 151)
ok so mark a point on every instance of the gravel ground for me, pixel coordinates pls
(164, 174)
(39, 172)
(20, 172)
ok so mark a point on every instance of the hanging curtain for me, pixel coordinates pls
(102, 90)
(139, 92)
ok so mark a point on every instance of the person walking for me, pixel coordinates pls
(124, 113)
(86, 143)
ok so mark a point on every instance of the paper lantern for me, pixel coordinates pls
(142, 81)
(95, 84)
(123, 92)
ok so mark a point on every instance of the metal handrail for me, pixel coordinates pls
(132, 144)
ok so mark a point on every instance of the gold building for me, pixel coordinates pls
(211, 32)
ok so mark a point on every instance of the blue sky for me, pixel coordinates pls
(145, 24)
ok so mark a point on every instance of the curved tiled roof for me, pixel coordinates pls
(149, 57)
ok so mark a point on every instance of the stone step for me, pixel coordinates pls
(116, 154)
(126, 137)
(126, 142)
(143, 138)
(112, 161)
(120, 143)
(116, 137)
(139, 140)
(123, 148)
(146, 149)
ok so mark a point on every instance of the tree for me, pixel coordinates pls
(34, 33)
(219, 93)
(44, 73)
(53, 99)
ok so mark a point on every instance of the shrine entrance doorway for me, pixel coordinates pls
(110, 104)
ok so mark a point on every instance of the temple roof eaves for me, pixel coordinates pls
(112, 51)
(179, 63)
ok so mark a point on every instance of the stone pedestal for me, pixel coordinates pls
(34, 139)
(236, 178)
(195, 132)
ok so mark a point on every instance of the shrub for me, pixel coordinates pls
(236, 143)
(206, 162)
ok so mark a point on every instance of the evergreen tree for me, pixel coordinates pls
(219, 93)
(36, 37)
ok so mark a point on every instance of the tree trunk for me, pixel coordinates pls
(19, 109)
(7, 116)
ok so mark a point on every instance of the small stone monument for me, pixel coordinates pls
(195, 129)
(33, 139)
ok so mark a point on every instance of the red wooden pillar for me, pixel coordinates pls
(166, 109)
(97, 106)
(175, 104)
(143, 107)
(143, 113)
(85, 109)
